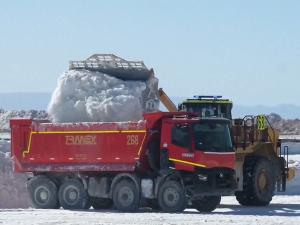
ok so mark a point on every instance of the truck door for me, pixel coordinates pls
(180, 150)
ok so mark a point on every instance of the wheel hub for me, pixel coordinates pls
(125, 196)
(41, 195)
(71, 195)
(170, 197)
(263, 181)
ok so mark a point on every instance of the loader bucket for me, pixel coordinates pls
(122, 69)
(114, 66)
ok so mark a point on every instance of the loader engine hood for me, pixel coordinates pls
(122, 69)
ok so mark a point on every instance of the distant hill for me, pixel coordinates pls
(39, 101)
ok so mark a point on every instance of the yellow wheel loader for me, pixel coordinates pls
(261, 160)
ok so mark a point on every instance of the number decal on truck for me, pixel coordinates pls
(132, 139)
(261, 122)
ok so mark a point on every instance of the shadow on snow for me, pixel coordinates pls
(270, 210)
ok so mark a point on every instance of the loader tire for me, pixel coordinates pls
(206, 203)
(72, 195)
(102, 203)
(171, 197)
(153, 155)
(43, 193)
(259, 181)
(126, 196)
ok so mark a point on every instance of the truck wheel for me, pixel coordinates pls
(102, 203)
(259, 182)
(72, 195)
(171, 197)
(153, 155)
(206, 203)
(126, 196)
(43, 193)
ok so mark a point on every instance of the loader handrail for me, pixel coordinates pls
(257, 130)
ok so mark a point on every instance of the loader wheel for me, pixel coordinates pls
(206, 203)
(43, 193)
(259, 182)
(126, 196)
(102, 203)
(72, 195)
(171, 197)
(153, 155)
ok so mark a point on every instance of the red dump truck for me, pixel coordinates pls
(170, 160)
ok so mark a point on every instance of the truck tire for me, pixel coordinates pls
(102, 203)
(207, 203)
(258, 182)
(154, 155)
(126, 196)
(72, 195)
(171, 197)
(43, 193)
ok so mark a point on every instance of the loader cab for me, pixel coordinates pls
(208, 106)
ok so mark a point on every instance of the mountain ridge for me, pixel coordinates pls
(40, 100)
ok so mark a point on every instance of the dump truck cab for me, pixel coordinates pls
(195, 152)
(198, 136)
(201, 149)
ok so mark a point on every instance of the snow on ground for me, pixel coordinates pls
(284, 209)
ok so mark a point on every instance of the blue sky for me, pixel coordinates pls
(247, 51)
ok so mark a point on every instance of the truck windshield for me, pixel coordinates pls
(212, 137)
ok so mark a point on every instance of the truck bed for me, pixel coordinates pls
(45, 146)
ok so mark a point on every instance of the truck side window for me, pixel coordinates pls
(180, 136)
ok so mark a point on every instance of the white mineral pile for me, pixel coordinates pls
(5, 115)
(87, 96)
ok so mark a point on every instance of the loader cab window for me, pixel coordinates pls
(221, 110)
(180, 136)
(213, 137)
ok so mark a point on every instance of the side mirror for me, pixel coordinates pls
(179, 106)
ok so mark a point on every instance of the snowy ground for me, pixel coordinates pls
(283, 209)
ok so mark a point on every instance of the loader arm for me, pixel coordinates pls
(166, 101)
